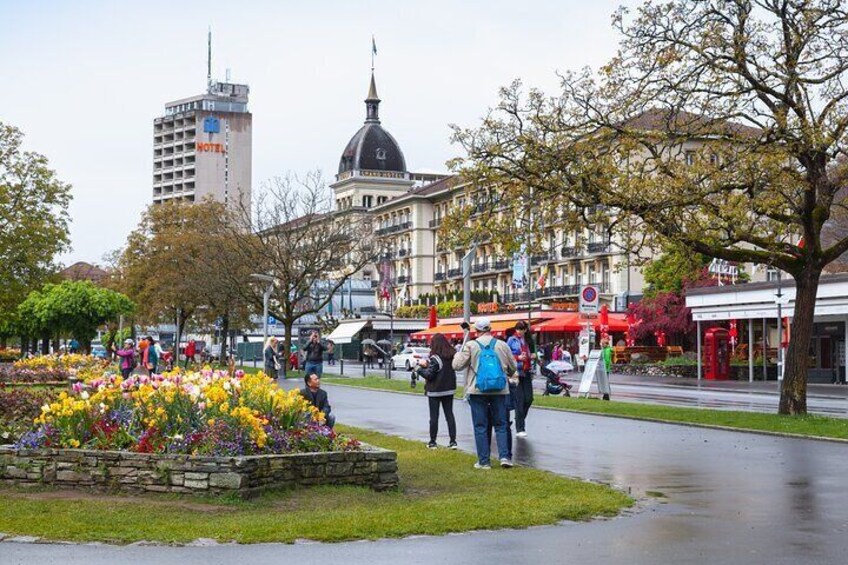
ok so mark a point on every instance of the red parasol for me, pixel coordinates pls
(433, 319)
(603, 320)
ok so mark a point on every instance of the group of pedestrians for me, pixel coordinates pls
(498, 380)
(148, 354)
(313, 356)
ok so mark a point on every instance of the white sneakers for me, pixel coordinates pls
(507, 463)
(485, 467)
(521, 434)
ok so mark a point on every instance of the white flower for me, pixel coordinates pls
(84, 395)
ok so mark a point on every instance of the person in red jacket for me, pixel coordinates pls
(190, 352)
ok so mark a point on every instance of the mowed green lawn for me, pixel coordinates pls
(810, 425)
(440, 492)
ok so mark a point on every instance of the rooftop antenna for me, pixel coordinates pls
(228, 75)
(209, 60)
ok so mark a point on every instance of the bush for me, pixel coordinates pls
(414, 311)
(453, 309)
(678, 362)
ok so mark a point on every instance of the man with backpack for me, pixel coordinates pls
(487, 363)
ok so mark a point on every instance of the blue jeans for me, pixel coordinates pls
(481, 405)
(316, 367)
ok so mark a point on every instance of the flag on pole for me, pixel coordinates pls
(543, 278)
(373, 46)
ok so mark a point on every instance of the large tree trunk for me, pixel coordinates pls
(225, 337)
(793, 392)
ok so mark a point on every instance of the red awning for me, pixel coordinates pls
(573, 322)
(454, 331)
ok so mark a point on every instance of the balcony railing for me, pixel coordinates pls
(439, 277)
(375, 284)
(436, 222)
(402, 252)
(481, 267)
(453, 273)
(552, 292)
(404, 279)
(569, 252)
(501, 265)
(393, 229)
(542, 258)
(598, 247)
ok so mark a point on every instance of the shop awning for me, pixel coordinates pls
(345, 331)
(573, 322)
(454, 331)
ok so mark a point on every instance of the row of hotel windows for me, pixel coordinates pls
(366, 201)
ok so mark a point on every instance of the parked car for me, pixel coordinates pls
(409, 357)
(99, 351)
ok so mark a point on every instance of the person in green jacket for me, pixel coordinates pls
(606, 354)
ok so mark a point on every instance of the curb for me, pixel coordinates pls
(789, 435)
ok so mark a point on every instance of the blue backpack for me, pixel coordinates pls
(490, 374)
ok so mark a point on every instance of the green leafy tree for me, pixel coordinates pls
(671, 270)
(720, 125)
(33, 224)
(75, 308)
(181, 262)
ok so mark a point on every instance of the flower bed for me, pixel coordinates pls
(8, 355)
(18, 408)
(53, 369)
(201, 413)
(198, 432)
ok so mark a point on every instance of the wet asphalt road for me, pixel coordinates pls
(727, 498)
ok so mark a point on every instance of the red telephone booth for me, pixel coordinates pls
(717, 354)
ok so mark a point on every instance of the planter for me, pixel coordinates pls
(186, 474)
(737, 372)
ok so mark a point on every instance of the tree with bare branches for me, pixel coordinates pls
(309, 249)
(720, 126)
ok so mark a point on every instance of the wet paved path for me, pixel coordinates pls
(729, 498)
(759, 396)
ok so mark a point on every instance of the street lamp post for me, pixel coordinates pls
(266, 296)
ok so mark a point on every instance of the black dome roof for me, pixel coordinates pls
(372, 147)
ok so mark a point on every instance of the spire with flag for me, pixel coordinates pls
(373, 52)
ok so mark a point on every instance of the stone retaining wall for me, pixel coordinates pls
(244, 476)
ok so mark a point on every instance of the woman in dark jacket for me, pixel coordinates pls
(440, 387)
(271, 357)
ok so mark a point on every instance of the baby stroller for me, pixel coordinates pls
(554, 373)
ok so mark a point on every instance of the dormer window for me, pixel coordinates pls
(381, 154)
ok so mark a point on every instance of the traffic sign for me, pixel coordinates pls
(272, 321)
(589, 299)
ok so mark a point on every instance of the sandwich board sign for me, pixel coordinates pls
(595, 369)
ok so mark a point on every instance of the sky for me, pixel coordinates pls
(84, 80)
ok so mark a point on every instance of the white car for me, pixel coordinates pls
(409, 357)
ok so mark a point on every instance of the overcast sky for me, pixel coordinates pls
(84, 81)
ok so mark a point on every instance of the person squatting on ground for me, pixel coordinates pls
(440, 387)
(271, 358)
(521, 351)
(318, 397)
(314, 355)
(487, 363)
